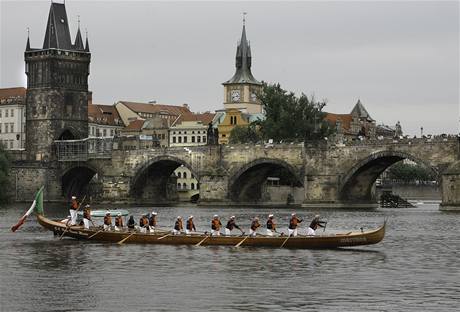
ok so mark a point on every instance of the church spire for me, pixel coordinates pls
(57, 35)
(243, 60)
(28, 40)
(87, 43)
(78, 40)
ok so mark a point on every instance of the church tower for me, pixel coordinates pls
(57, 87)
(241, 90)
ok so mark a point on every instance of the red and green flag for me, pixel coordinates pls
(37, 207)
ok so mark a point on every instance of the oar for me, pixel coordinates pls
(242, 241)
(126, 238)
(159, 238)
(201, 241)
(96, 233)
(68, 227)
(282, 245)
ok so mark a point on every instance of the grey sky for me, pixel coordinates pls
(400, 58)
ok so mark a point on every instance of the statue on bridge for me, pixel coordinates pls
(212, 135)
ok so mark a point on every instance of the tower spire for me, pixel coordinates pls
(78, 40)
(87, 43)
(28, 40)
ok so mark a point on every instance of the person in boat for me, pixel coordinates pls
(315, 223)
(118, 222)
(293, 223)
(152, 221)
(131, 223)
(178, 226)
(271, 225)
(215, 226)
(254, 226)
(143, 223)
(73, 210)
(231, 224)
(87, 217)
(107, 221)
(190, 226)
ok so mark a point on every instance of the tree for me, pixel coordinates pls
(4, 168)
(291, 118)
(410, 173)
(245, 134)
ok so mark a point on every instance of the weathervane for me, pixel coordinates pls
(28, 32)
(78, 17)
(244, 18)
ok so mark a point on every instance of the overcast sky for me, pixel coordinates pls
(400, 58)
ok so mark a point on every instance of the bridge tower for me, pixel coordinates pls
(241, 90)
(57, 87)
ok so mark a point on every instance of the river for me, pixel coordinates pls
(415, 268)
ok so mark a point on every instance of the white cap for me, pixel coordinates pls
(119, 214)
(191, 217)
(87, 206)
(74, 197)
(270, 216)
(293, 214)
(216, 216)
(316, 216)
(154, 213)
(179, 217)
(256, 218)
(232, 217)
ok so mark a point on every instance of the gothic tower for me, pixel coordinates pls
(57, 87)
(241, 90)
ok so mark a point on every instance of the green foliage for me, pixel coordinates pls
(245, 134)
(292, 118)
(410, 173)
(4, 168)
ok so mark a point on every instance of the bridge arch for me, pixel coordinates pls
(357, 183)
(75, 180)
(153, 181)
(246, 184)
(69, 133)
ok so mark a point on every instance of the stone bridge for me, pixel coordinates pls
(321, 174)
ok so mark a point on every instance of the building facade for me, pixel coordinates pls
(12, 118)
(57, 87)
(190, 130)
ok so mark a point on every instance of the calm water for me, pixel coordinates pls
(415, 268)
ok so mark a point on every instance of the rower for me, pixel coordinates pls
(215, 226)
(293, 223)
(315, 223)
(190, 227)
(231, 224)
(178, 227)
(118, 222)
(131, 223)
(152, 221)
(254, 226)
(107, 222)
(143, 224)
(87, 217)
(271, 225)
(73, 210)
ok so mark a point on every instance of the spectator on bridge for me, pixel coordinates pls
(315, 223)
(293, 223)
(215, 226)
(231, 224)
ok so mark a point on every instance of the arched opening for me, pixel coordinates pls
(359, 183)
(67, 135)
(76, 182)
(163, 180)
(255, 182)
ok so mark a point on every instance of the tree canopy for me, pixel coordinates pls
(291, 118)
(245, 134)
(410, 173)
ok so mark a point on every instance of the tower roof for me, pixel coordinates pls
(360, 111)
(57, 34)
(243, 62)
(79, 41)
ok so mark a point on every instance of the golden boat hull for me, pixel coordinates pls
(300, 242)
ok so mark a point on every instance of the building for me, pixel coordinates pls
(130, 111)
(232, 118)
(240, 91)
(103, 121)
(12, 118)
(356, 124)
(190, 129)
(57, 87)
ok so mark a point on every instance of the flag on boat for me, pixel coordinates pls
(36, 206)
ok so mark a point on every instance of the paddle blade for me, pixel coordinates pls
(21, 221)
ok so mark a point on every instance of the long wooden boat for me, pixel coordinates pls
(299, 242)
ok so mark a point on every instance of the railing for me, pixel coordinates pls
(83, 150)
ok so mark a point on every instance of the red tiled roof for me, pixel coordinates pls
(104, 114)
(7, 93)
(205, 118)
(156, 108)
(344, 118)
(135, 125)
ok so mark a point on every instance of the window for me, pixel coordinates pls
(178, 186)
(174, 139)
(0, 128)
(185, 139)
(0, 113)
(192, 186)
(12, 127)
(198, 139)
(112, 132)
(163, 136)
(11, 143)
(193, 139)
(184, 186)
(180, 139)
(204, 139)
(185, 175)
(6, 113)
(179, 175)
(104, 132)
(6, 127)
(12, 113)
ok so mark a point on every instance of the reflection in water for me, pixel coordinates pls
(409, 270)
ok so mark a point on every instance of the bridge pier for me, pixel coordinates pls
(450, 188)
